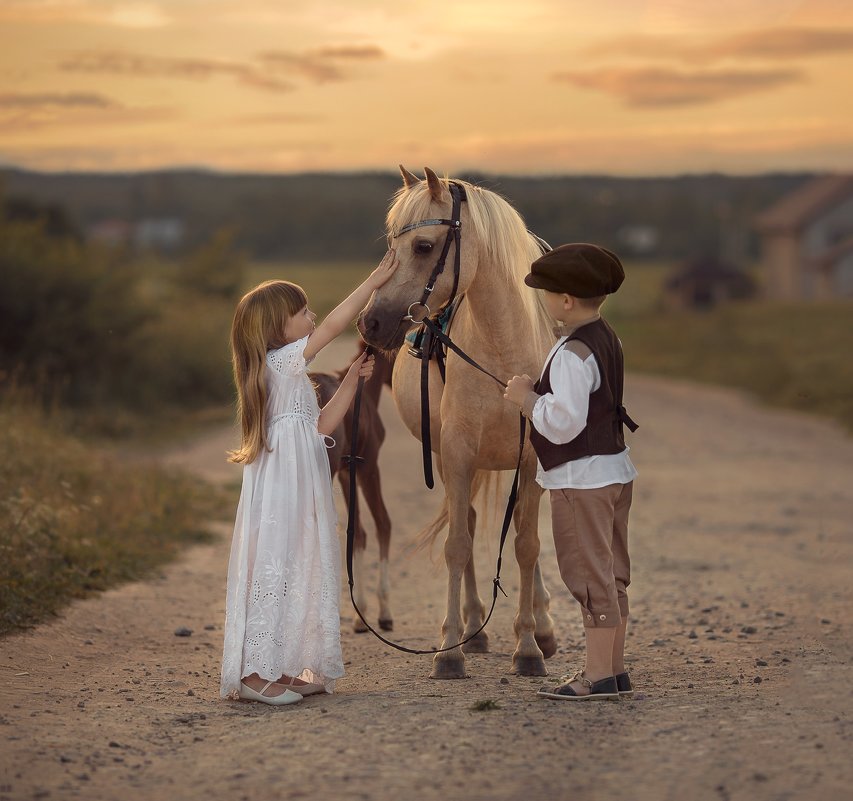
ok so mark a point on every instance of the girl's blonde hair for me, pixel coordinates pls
(258, 326)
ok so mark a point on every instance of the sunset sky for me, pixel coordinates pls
(637, 87)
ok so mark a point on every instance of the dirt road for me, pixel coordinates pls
(739, 649)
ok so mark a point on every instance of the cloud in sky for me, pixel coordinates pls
(350, 52)
(272, 71)
(771, 44)
(655, 87)
(53, 100)
(25, 111)
(196, 69)
(322, 65)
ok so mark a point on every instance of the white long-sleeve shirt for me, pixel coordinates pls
(561, 415)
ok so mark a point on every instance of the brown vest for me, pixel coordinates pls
(606, 415)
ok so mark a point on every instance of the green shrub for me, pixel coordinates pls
(90, 329)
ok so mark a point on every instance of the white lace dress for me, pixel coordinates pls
(281, 613)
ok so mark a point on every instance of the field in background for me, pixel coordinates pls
(792, 356)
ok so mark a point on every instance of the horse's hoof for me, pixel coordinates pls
(529, 666)
(448, 668)
(477, 645)
(548, 645)
(359, 626)
(386, 624)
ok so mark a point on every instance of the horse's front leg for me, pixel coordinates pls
(527, 659)
(544, 633)
(371, 489)
(473, 610)
(457, 552)
(545, 638)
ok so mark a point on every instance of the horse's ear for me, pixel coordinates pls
(409, 179)
(436, 190)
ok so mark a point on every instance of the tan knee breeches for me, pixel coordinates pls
(591, 539)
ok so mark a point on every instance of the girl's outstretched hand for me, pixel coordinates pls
(382, 274)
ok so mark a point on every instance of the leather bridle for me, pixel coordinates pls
(454, 234)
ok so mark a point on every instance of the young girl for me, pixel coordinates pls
(282, 630)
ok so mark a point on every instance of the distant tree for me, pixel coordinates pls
(215, 268)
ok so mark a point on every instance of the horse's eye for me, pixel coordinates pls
(422, 246)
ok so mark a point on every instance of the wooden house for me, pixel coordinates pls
(807, 241)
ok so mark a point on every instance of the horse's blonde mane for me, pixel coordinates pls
(504, 239)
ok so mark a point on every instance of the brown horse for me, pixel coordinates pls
(501, 324)
(371, 436)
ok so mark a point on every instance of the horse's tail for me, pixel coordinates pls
(486, 485)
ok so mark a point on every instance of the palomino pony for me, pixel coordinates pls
(501, 324)
(371, 437)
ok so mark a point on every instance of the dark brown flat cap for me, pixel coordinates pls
(579, 269)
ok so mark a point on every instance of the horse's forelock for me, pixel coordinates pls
(408, 205)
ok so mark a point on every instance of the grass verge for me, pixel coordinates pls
(73, 521)
(793, 356)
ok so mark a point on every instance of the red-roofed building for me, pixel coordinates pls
(807, 241)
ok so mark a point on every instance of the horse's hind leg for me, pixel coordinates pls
(358, 549)
(371, 489)
(527, 659)
(473, 610)
(544, 633)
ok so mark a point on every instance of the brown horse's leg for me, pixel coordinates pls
(544, 634)
(473, 610)
(457, 474)
(359, 547)
(527, 659)
(371, 489)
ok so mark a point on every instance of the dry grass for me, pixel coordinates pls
(73, 521)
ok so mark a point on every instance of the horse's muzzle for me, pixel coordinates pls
(383, 331)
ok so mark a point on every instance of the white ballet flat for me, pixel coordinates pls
(303, 689)
(309, 689)
(287, 697)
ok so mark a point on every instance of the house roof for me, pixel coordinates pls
(796, 209)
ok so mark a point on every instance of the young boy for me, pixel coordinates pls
(576, 414)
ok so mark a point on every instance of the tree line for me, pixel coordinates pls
(340, 216)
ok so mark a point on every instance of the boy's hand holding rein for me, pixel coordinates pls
(519, 391)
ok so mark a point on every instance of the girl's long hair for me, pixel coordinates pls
(258, 326)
